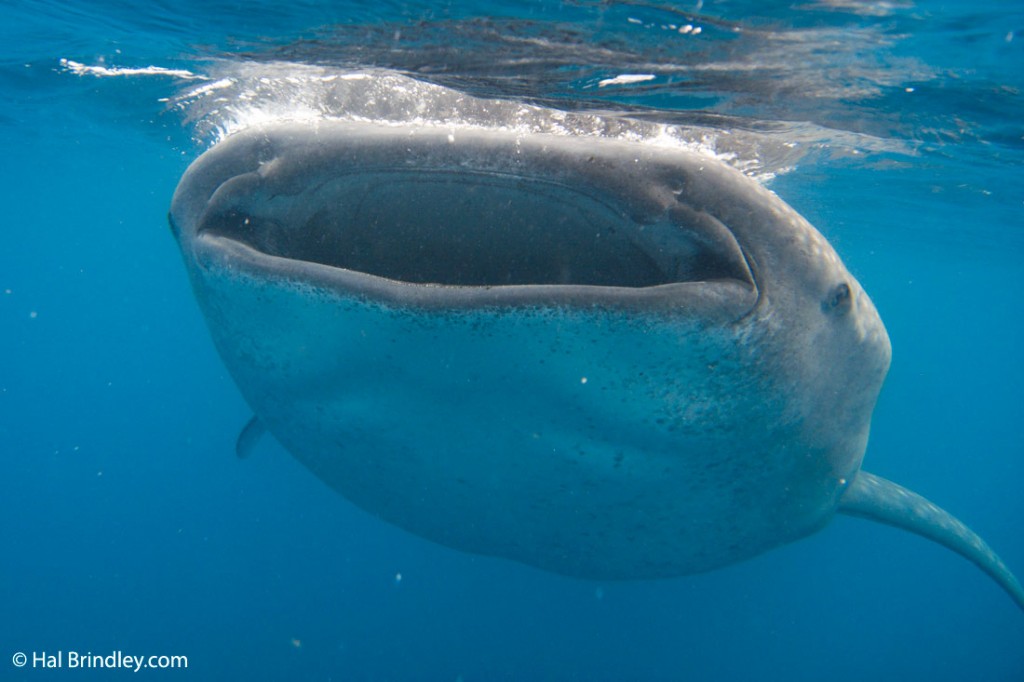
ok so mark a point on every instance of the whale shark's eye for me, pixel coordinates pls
(839, 300)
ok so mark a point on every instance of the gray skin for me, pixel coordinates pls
(600, 358)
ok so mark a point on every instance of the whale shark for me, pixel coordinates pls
(598, 357)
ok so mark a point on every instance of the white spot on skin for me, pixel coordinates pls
(583, 380)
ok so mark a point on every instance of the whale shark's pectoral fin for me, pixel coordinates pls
(249, 437)
(875, 498)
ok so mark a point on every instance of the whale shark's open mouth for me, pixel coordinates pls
(482, 219)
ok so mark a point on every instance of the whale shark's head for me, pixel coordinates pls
(397, 300)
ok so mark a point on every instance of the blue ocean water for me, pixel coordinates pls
(127, 523)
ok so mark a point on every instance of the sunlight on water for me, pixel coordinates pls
(235, 95)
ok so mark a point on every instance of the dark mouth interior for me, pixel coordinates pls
(475, 230)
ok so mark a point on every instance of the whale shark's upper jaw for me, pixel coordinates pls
(483, 220)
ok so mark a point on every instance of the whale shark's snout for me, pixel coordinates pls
(468, 219)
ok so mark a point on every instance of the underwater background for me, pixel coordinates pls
(128, 524)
